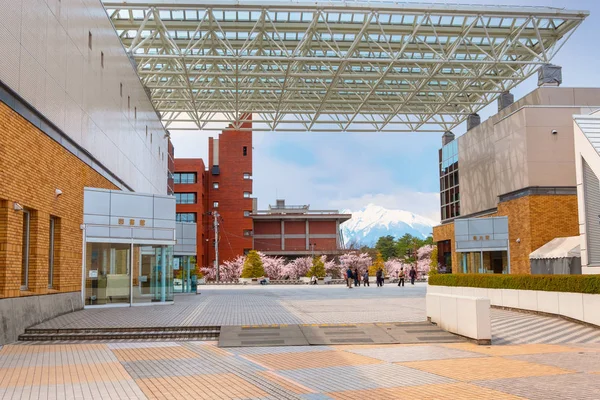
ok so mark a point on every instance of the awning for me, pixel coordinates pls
(564, 247)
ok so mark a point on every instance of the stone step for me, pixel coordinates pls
(212, 333)
(123, 329)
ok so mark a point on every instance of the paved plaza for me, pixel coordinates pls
(201, 370)
(519, 364)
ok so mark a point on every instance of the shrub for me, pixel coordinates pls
(317, 269)
(551, 283)
(253, 266)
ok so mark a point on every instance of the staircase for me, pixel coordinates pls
(145, 333)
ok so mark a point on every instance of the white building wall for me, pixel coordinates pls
(45, 58)
(586, 130)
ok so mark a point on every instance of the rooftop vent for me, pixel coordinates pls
(505, 100)
(447, 137)
(549, 75)
(473, 120)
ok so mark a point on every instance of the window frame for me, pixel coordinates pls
(185, 181)
(178, 198)
(180, 214)
(25, 249)
(247, 195)
(215, 185)
(215, 204)
(51, 249)
(247, 176)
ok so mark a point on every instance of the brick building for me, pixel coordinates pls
(223, 189)
(518, 164)
(297, 231)
(70, 118)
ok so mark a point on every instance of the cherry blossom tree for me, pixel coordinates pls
(274, 266)
(228, 271)
(393, 266)
(298, 267)
(424, 260)
(331, 267)
(353, 260)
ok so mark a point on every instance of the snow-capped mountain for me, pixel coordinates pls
(370, 223)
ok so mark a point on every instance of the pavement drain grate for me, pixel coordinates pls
(259, 334)
(265, 342)
(354, 340)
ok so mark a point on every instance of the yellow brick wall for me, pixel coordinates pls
(32, 166)
(535, 220)
(446, 232)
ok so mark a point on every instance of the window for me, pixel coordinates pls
(215, 204)
(25, 249)
(53, 227)
(185, 198)
(247, 195)
(247, 176)
(247, 213)
(184, 177)
(185, 217)
(245, 151)
(215, 185)
(102, 59)
(247, 232)
(90, 40)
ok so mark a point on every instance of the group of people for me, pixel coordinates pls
(356, 277)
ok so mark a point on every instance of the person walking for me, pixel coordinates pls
(378, 276)
(413, 275)
(356, 278)
(366, 279)
(401, 277)
(349, 278)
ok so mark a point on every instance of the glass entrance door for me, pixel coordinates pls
(153, 280)
(107, 273)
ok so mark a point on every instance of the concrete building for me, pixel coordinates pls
(73, 114)
(587, 163)
(519, 164)
(297, 231)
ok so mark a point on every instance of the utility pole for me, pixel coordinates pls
(216, 226)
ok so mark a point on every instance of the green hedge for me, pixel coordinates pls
(550, 283)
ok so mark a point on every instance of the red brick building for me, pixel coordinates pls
(224, 186)
(190, 185)
(230, 192)
(297, 231)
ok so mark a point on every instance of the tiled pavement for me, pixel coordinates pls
(265, 305)
(201, 370)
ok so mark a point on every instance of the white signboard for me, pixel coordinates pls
(93, 273)
(176, 263)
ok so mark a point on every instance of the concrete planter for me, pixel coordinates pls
(577, 306)
(201, 281)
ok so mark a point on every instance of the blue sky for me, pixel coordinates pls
(396, 171)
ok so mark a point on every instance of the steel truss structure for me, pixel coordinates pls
(333, 66)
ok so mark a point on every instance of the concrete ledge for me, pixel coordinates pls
(578, 307)
(463, 315)
(20, 313)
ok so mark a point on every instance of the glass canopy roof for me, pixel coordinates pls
(333, 66)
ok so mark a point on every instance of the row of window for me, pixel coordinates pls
(190, 198)
(192, 217)
(53, 228)
(184, 178)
